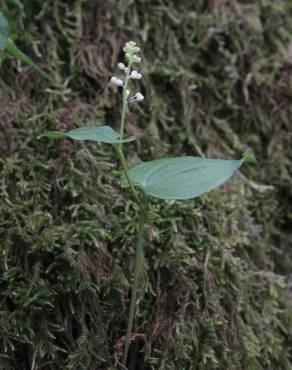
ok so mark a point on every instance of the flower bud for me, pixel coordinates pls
(139, 97)
(116, 81)
(135, 75)
(136, 59)
(130, 49)
(121, 66)
(130, 44)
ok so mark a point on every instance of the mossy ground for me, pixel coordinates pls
(217, 270)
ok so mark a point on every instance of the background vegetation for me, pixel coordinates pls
(217, 272)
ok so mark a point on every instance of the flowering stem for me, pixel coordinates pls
(130, 50)
(125, 98)
(138, 264)
(123, 160)
(119, 148)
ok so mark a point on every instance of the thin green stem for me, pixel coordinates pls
(123, 160)
(138, 264)
(119, 148)
(125, 102)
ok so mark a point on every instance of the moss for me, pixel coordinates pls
(216, 272)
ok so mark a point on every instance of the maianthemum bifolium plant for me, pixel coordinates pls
(176, 178)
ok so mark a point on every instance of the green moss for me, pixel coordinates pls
(215, 278)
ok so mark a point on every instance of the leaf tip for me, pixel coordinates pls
(52, 135)
(249, 159)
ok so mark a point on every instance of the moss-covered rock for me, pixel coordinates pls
(216, 271)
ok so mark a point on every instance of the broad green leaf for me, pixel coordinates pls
(103, 134)
(182, 177)
(3, 31)
(18, 54)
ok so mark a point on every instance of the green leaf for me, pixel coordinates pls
(8, 44)
(3, 31)
(53, 134)
(103, 134)
(182, 177)
(18, 54)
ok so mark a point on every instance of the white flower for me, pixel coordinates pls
(116, 81)
(135, 75)
(127, 93)
(121, 66)
(139, 97)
